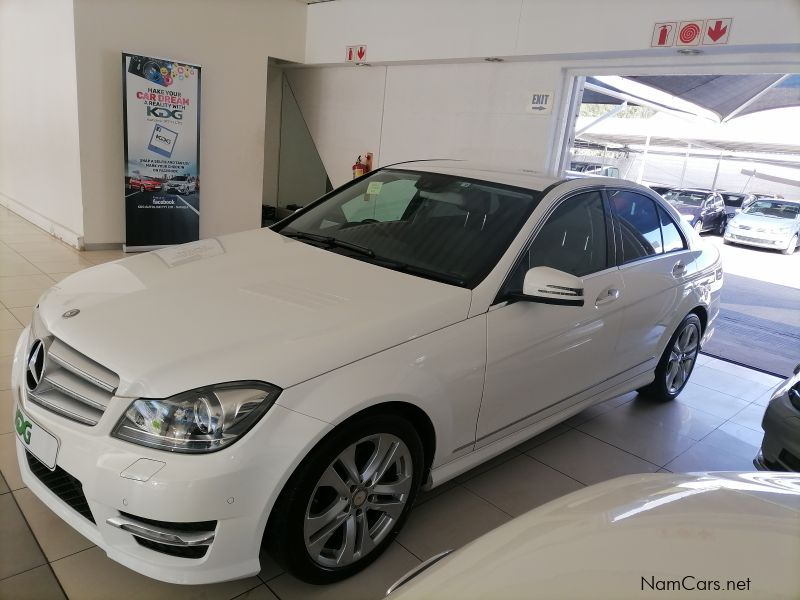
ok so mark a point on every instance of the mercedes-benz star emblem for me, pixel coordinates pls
(71, 313)
(35, 371)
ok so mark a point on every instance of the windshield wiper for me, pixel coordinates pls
(330, 241)
(397, 265)
(388, 263)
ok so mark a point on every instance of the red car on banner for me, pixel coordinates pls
(144, 184)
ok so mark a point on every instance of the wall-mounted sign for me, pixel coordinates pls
(717, 31)
(539, 103)
(356, 54)
(691, 33)
(161, 112)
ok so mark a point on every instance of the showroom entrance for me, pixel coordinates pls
(712, 145)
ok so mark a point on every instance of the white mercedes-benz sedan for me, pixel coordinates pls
(294, 387)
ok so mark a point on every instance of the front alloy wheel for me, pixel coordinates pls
(358, 500)
(677, 362)
(336, 515)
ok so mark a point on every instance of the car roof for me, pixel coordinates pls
(524, 178)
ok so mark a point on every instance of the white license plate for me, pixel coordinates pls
(39, 442)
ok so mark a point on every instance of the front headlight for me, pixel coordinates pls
(201, 420)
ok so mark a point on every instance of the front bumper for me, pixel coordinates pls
(759, 239)
(234, 488)
(780, 449)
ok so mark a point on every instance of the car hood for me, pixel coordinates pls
(762, 222)
(249, 306)
(604, 540)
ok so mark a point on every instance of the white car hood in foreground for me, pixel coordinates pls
(249, 306)
(600, 542)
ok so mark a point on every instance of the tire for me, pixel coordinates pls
(698, 226)
(681, 353)
(320, 528)
(721, 227)
(141, 188)
(791, 247)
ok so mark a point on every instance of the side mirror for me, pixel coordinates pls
(551, 286)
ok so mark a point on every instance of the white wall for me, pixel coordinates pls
(414, 30)
(40, 175)
(232, 41)
(429, 94)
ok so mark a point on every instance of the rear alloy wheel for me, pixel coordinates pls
(791, 247)
(336, 516)
(677, 362)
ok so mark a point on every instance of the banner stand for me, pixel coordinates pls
(161, 120)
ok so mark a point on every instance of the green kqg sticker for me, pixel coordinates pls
(374, 187)
(23, 427)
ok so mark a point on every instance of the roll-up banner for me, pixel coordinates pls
(161, 112)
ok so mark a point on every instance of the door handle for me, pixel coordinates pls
(607, 297)
(679, 270)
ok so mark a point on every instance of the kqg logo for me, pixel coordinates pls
(164, 113)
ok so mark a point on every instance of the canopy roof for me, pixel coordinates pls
(727, 96)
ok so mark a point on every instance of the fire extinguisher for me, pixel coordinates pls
(359, 168)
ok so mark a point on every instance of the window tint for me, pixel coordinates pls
(639, 224)
(427, 224)
(383, 202)
(672, 237)
(573, 239)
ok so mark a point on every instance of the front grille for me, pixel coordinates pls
(73, 385)
(62, 484)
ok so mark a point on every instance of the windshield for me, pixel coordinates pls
(685, 198)
(774, 209)
(179, 178)
(436, 226)
(733, 200)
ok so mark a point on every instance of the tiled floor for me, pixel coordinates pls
(713, 425)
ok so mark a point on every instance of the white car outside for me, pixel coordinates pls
(298, 385)
(767, 223)
(727, 535)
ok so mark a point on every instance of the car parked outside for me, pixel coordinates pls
(767, 223)
(704, 210)
(589, 169)
(183, 184)
(780, 449)
(661, 189)
(636, 536)
(296, 386)
(144, 184)
(734, 203)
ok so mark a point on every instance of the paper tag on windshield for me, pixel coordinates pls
(192, 251)
(374, 187)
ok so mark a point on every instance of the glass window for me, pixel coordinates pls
(572, 240)
(673, 240)
(432, 225)
(639, 224)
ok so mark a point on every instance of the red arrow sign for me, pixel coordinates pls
(362, 52)
(716, 32)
